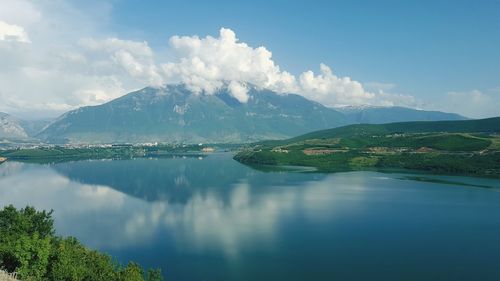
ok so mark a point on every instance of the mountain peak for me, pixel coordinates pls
(11, 128)
(175, 114)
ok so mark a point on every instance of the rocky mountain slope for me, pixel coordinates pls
(175, 114)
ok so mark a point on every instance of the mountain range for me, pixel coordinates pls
(15, 129)
(11, 128)
(175, 114)
(381, 115)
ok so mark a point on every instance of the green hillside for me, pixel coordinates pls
(489, 125)
(456, 147)
(61, 154)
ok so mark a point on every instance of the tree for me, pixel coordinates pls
(25, 241)
(29, 247)
(154, 275)
(26, 221)
(132, 272)
(70, 260)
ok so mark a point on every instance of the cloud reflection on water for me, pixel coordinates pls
(103, 217)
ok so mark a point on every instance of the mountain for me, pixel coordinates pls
(175, 114)
(33, 127)
(380, 115)
(15, 129)
(11, 128)
(488, 125)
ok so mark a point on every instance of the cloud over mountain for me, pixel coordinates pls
(205, 64)
(83, 63)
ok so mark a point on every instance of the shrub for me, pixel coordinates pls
(29, 247)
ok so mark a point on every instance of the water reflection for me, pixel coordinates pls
(206, 222)
(175, 179)
(213, 204)
(214, 219)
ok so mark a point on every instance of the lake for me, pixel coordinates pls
(211, 218)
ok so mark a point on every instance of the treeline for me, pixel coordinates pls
(29, 247)
(465, 164)
(486, 164)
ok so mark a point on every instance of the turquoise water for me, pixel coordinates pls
(215, 219)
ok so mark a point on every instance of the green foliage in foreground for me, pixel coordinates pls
(29, 247)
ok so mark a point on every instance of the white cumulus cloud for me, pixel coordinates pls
(239, 91)
(206, 64)
(331, 90)
(12, 32)
(82, 63)
(209, 63)
(135, 58)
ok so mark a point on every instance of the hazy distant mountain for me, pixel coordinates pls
(380, 115)
(11, 128)
(175, 114)
(33, 127)
(15, 129)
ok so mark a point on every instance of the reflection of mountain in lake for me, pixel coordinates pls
(175, 180)
(277, 226)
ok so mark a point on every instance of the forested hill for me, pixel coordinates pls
(469, 147)
(489, 125)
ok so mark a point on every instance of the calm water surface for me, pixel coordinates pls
(215, 219)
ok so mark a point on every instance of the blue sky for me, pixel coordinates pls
(426, 48)
(442, 53)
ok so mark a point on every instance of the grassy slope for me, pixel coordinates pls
(488, 125)
(463, 147)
